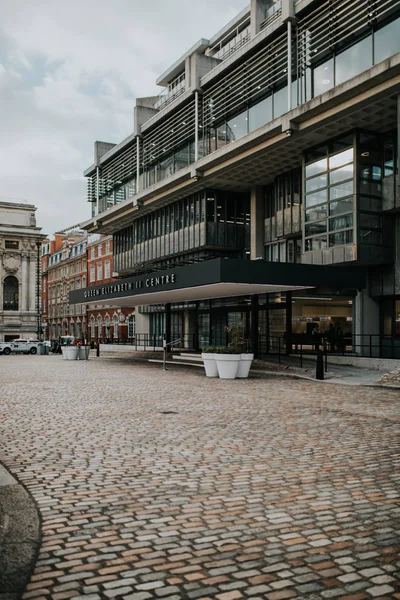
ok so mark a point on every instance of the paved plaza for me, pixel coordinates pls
(169, 485)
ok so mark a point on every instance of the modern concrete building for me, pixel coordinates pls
(20, 242)
(261, 185)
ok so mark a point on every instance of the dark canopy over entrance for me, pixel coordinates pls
(219, 278)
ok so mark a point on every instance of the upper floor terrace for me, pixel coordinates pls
(296, 53)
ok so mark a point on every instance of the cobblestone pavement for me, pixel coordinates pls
(168, 485)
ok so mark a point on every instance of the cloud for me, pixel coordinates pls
(69, 75)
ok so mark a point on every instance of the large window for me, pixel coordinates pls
(329, 196)
(131, 326)
(10, 293)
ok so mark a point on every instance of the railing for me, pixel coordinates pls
(170, 93)
(274, 13)
(358, 345)
(147, 342)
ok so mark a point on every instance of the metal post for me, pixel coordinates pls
(38, 245)
(279, 349)
(137, 164)
(301, 356)
(97, 190)
(196, 126)
(254, 326)
(164, 368)
(289, 65)
(326, 358)
(320, 366)
(289, 311)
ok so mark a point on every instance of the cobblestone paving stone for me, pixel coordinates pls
(169, 485)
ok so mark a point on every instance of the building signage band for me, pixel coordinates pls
(149, 282)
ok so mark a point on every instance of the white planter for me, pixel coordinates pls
(227, 365)
(245, 365)
(210, 364)
(83, 353)
(70, 352)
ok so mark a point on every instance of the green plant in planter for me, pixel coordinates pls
(209, 350)
(236, 340)
(223, 350)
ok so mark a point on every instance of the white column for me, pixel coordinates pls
(24, 283)
(32, 283)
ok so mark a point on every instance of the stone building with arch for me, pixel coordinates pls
(20, 244)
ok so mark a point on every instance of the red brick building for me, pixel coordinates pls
(108, 324)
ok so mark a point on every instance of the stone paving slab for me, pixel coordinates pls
(155, 484)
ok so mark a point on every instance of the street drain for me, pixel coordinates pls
(168, 412)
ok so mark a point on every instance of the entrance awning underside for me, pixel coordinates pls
(219, 278)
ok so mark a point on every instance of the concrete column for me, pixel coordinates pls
(32, 284)
(257, 11)
(256, 222)
(366, 325)
(24, 283)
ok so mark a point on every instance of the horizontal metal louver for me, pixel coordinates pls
(119, 169)
(169, 134)
(260, 73)
(332, 25)
(91, 188)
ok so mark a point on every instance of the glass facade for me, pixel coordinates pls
(209, 219)
(238, 109)
(329, 196)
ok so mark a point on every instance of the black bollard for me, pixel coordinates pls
(98, 349)
(320, 365)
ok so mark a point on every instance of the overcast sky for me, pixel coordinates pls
(69, 75)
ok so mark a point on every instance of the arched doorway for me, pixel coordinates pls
(10, 293)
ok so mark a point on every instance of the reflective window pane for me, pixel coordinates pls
(341, 238)
(341, 174)
(323, 77)
(371, 236)
(280, 100)
(316, 198)
(316, 214)
(342, 222)
(354, 60)
(316, 183)
(341, 206)
(236, 127)
(315, 228)
(387, 41)
(367, 220)
(370, 188)
(317, 167)
(341, 190)
(260, 113)
(317, 243)
(337, 160)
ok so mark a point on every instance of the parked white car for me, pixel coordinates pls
(20, 345)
